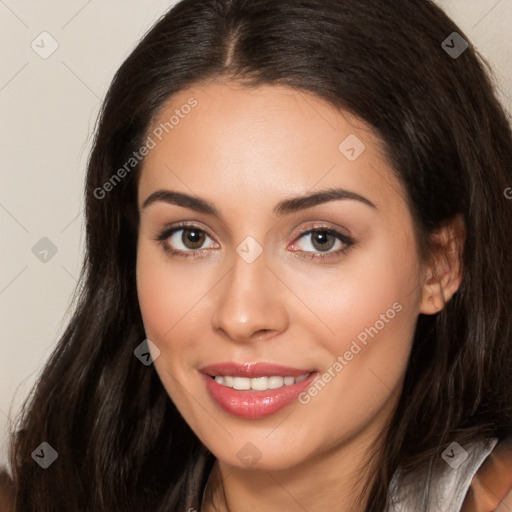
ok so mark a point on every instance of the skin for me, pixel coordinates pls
(245, 150)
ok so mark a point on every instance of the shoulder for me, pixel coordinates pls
(6, 492)
(491, 486)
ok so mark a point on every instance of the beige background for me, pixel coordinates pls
(48, 108)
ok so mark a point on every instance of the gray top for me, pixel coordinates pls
(450, 486)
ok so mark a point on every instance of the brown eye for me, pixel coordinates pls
(186, 239)
(322, 240)
(193, 238)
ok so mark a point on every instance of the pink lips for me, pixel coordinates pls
(250, 403)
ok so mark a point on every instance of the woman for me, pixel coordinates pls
(294, 295)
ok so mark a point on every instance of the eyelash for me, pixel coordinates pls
(201, 253)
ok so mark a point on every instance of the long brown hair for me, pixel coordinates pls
(122, 444)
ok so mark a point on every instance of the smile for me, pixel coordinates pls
(255, 390)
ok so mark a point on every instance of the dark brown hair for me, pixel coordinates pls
(122, 443)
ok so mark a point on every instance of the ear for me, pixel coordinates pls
(443, 272)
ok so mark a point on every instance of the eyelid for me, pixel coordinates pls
(325, 226)
(162, 234)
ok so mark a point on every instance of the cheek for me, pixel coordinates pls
(164, 292)
(170, 307)
(365, 361)
(176, 307)
(380, 319)
(371, 306)
(364, 292)
(156, 300)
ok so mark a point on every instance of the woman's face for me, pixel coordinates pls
(270, 270)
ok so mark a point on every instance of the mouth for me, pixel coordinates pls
(255, 390)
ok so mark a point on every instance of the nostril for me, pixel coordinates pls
(262, 333)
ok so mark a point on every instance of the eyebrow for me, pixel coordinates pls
(284, 207)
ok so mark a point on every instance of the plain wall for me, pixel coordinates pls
(48, 107)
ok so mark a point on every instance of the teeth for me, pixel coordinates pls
(275, 382)
(241, 383)
(258, 383)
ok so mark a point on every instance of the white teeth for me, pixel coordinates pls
(258, 383)
(275, 382)
(241, 383)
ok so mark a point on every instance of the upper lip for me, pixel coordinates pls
(252, 370)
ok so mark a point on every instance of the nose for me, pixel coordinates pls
(250, 304)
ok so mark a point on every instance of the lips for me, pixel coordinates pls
(253, 403)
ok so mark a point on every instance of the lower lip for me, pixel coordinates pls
(253, 404)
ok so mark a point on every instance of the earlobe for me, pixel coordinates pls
(433, 298)
(444, 272)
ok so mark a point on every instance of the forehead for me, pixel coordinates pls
(231, 140)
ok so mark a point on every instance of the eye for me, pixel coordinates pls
(191, 241)
(322, 242)
(185, 239)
